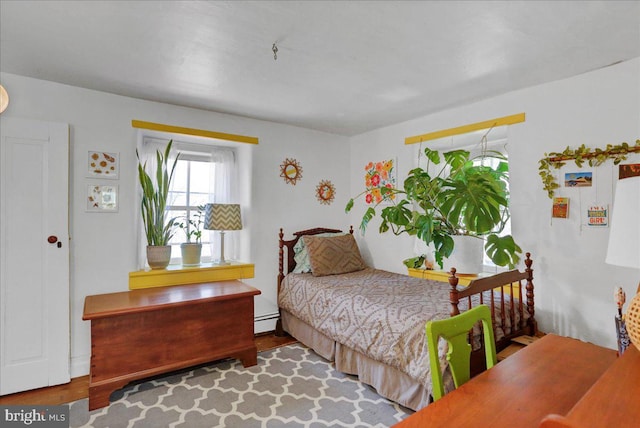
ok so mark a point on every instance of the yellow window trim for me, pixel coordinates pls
(192, 131)
(500, 121)
(179, 275)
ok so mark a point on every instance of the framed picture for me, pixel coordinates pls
(378, 175)
(598, 215)
(560, 207)
(102, 198)
(103, 164)
(578, 179)
(628, 170)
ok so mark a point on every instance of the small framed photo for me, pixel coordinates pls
(102, 198)
(103, 165)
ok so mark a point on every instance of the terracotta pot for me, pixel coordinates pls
(191, 253)
(158, 256)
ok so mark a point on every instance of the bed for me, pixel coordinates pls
(371, 323)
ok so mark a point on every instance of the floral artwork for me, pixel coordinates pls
(379, 175)
(102, 164)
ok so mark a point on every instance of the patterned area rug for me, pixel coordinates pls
(290, 387)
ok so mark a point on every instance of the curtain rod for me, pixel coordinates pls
(500, 121)
(191, 131)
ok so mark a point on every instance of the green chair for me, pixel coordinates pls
(455, 331)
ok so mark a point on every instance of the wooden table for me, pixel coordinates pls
(548, 376)
(613, 400)
(141, 333)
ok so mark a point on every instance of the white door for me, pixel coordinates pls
(34, 254)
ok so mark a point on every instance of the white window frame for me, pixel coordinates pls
(496, 140)
(192, 150)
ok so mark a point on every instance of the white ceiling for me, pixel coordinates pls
(344, 67)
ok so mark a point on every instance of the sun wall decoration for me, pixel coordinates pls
(379, 175)
(325, 192)
(291, 171)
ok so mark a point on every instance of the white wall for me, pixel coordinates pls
(574, 287)
(103, 246)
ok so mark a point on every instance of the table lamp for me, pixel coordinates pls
(624, 243)
(222, 217)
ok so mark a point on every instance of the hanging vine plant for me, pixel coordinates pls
(593, 157)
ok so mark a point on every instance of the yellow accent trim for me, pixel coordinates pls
(463, 279)
(500, 121)
(191, 131)
(178, 275)
(440, 276)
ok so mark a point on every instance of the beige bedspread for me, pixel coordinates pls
(377, 313)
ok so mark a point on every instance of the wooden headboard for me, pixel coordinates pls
(291, 263)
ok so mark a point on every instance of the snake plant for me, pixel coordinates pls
(158, 228)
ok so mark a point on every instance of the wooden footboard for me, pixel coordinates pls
(505, 290)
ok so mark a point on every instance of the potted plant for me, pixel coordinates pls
(461, 198)
(191, 227)
(158, 228)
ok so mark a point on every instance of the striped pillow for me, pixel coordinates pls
(333, 255)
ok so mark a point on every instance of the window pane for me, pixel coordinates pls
(201, 173)
(191, 187)
(179, 182)
(178, 236)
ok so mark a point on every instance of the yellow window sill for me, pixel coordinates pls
(440, 275)
(178, 274)
(463, 279)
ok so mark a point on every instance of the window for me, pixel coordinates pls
(489, 266)
(204, 173)
(475, 142)
(190, 190)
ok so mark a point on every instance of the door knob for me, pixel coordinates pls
(54, 239)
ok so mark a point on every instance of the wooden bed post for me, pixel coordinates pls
(279, 330)
(280, 258)
(529, 287)
(453, 293)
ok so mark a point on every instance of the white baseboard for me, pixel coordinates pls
(80, 366)
(264, 323)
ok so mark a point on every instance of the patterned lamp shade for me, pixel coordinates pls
(624, 243)
(222, 217)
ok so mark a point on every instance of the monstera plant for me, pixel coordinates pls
(454, 195)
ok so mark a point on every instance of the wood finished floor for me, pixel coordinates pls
(78, 388)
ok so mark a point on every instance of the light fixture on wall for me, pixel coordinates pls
(624, 243)
(4, 99)
(222, 217)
